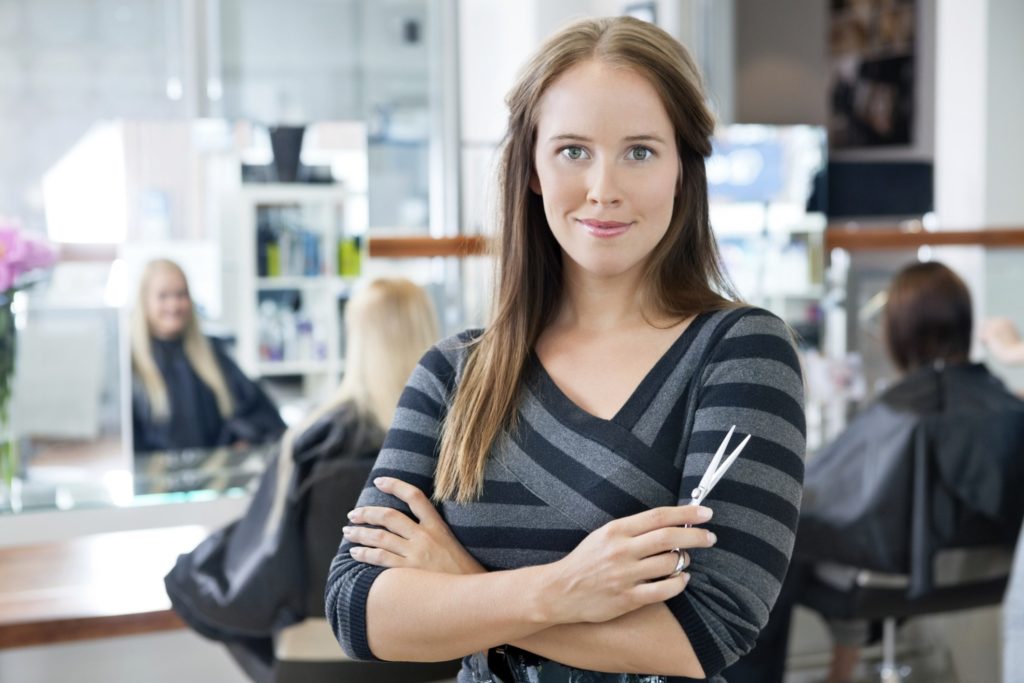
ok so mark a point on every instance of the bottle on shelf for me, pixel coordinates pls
(350, 256)
(270, 336)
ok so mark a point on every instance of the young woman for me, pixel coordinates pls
(186, 391)
(246, 583)
(561, 444)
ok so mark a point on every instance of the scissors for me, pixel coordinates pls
(716, 469)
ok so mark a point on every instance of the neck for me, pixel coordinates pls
(600, 304)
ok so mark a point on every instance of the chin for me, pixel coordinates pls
(606, 268)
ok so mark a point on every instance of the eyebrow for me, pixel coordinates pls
(646, 137)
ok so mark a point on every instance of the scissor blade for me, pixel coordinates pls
(713, 465)
(720, 472)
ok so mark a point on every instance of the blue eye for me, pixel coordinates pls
(573, 152)
(640, 153)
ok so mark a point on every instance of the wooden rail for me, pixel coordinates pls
(417, 247)
(893, 237)
(836, 237)
(379, 247)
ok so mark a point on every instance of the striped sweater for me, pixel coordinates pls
(562, 473)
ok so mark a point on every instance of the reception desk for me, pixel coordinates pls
(95, 586)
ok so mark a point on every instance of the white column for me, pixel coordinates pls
(961, 100)
(979, 150)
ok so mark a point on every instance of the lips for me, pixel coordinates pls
(604, 229)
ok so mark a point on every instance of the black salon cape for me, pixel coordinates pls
(936, 462)
(195, 421)
(265, 572)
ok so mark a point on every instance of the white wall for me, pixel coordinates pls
(782, 71)
(1005, 145)
(781, 62)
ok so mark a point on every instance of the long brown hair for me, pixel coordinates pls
(683, 276)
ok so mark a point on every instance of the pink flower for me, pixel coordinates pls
(19, 254)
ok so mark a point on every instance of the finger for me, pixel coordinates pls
(376, 557)
(375, 538)
(662, 566)
(411, 496)
(657, 518)
(660, 540)
(395, 521)
(660, 590)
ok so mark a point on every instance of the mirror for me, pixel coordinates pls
(147, 129)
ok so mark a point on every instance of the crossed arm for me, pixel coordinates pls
(601, 607)
(609, 604)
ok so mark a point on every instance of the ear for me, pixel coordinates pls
(535, 183)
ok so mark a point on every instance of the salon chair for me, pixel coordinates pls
(963, 578)
(308, 652)
(955, 509)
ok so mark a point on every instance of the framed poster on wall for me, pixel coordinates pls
(872, 73)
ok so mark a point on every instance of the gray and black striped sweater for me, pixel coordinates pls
(564, 473)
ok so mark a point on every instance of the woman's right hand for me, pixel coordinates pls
(626, 564)
(398, 541)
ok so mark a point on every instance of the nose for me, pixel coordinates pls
(604, 189)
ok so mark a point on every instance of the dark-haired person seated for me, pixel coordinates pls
(186, 391)
(858, 499)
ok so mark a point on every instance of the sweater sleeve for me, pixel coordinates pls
(409, 453)
(752, 380)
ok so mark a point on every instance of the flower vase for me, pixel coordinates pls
(8, 442)
(10, 482)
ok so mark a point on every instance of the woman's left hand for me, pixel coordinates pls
(403, 542)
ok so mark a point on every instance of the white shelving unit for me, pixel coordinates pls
(774, 257)
(289, 286)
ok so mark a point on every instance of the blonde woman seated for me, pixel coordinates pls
(251, 580)
(186, 391)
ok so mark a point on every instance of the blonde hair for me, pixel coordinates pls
(683, 275)
(198, 350)
(389, 325)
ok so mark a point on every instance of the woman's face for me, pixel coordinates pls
(168, 306)
(607, 168)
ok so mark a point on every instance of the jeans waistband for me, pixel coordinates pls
(508, 664)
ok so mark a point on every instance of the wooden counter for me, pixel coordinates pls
(90, 587)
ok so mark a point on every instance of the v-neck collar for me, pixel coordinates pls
(629, 412)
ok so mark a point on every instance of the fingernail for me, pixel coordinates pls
(355, 551)
(352, 514)
(686, 578)
(712, 539)
(704, 513)
(346, 530)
